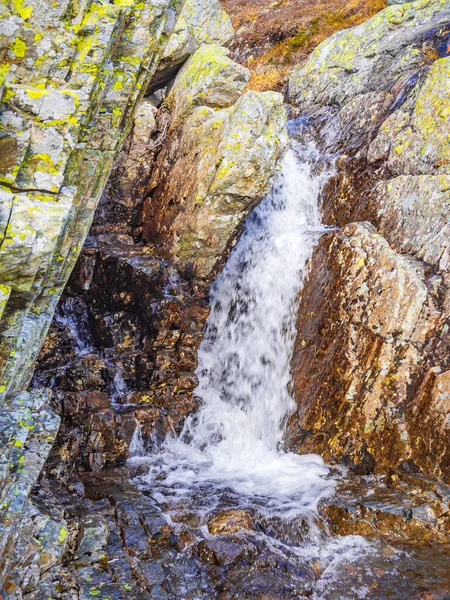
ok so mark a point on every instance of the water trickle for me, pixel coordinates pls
(233, 446)
(72, 314)
(137, 446)
(118, 386)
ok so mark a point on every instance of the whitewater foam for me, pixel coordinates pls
(233, 444)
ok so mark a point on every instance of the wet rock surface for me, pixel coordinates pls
(230, 521)
(122, 351)
(402, 506)
(367, 361)
(140, 366)
(115, 540)
(186, 562)
(121, 354)
(373, 313)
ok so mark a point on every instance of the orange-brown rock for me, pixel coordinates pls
(365, 314)
(399, 507)
(230, 521)
(373, 345)
(429, 423)
(221, 552)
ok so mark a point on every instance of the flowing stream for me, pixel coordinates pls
(230, 461)
(230, 454)
(234, 444)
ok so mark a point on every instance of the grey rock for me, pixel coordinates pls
(200, 22)
(93, 537)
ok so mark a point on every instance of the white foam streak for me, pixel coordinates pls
(235, 440)
(137, 446)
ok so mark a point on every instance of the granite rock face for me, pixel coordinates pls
(220, 161)
(378, 302)
(200, 22)
(370, 57)
(73, 75)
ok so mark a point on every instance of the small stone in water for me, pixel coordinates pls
(230, 521)
(221, 552)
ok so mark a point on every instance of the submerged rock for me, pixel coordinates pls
(402, 506)
(230, 521)
(221, 551)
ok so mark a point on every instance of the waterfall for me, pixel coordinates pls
(234, 443)
(118, 386)
(137, 446)
(72, 313)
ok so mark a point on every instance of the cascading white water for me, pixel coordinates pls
(234, 442)
(137, 446)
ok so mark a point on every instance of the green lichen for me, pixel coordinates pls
(23, 11)
(18, 47)
(36, 93)
(62, 535)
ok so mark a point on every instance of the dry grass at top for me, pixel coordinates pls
(274, 36)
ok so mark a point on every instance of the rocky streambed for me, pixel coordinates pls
(171, 443)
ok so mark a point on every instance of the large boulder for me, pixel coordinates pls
(369, 58)
(200, 22)
(209, 78)
(372, 323)
(359, 76)
(223, 153)
(364, 313)
(74, 74)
